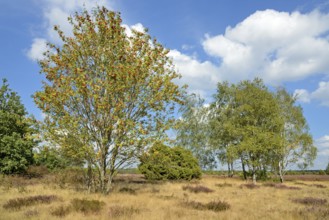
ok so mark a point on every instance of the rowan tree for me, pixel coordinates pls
(107, 95)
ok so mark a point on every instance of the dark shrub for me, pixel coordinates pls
(215, 206)
(31, 213)
(36, 171)
(165, 163)
(61, 211)
(87, 206)
(224, 185)
(18, 203)
(281, 186)
(128, 190)
(310, 201)
(198, 189)
(119, 211)
(319, 186)
(249, 186)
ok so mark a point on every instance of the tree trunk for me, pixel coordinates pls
(232, 169)
(254, 177)
(280, 172)
(244, 169)
(89, 177)
(103, 187)
(228, 170)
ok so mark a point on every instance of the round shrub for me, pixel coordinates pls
(165, 163)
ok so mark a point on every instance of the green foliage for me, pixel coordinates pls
(265, 130)
(164, 163)
(327, 169)
(16, 133)
(193, 131)
(53, 158)
(107, 94)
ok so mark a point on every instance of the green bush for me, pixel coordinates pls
(327, 169)
(17, 133)
(165, 163)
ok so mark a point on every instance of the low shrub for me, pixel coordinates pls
(127, 190)
(87, 206)
(311, 212)
(249, 186)
(197, 189)
(224, 184)
(310, 201)
(319, 186)
(165, 163)
(18, 203)
(280, 186)
(36, 172)
(119, 211)
(31, 213)
(215, 206)
(61, 211)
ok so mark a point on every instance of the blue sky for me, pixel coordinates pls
(284, 42)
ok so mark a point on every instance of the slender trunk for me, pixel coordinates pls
(228, 170)
(103, 176)
(89, 177)
(244, 169)
(254, 176)
(232, 169)
(280, 172)
(108, 186)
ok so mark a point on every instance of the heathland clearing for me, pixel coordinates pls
(212, 197)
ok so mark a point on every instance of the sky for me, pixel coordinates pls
(286, 43)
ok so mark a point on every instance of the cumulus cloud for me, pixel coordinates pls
(38, 47)
(323, 145)
(137, 27)
(200, 76)
(321, 94)
(56, 12)
(302, 95)
(276, 46)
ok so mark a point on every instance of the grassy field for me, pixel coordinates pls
(212, 197)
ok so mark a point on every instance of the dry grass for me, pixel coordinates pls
(134, 198)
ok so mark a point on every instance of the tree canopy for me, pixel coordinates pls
(16, 133)
(264, 130)
(107, 95)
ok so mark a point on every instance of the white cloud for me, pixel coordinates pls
(321, 94)
(276, 46)
(323, 145)
(200, 76)
(302, 95)
(56, 12)
(137, 27)
(38, 47)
